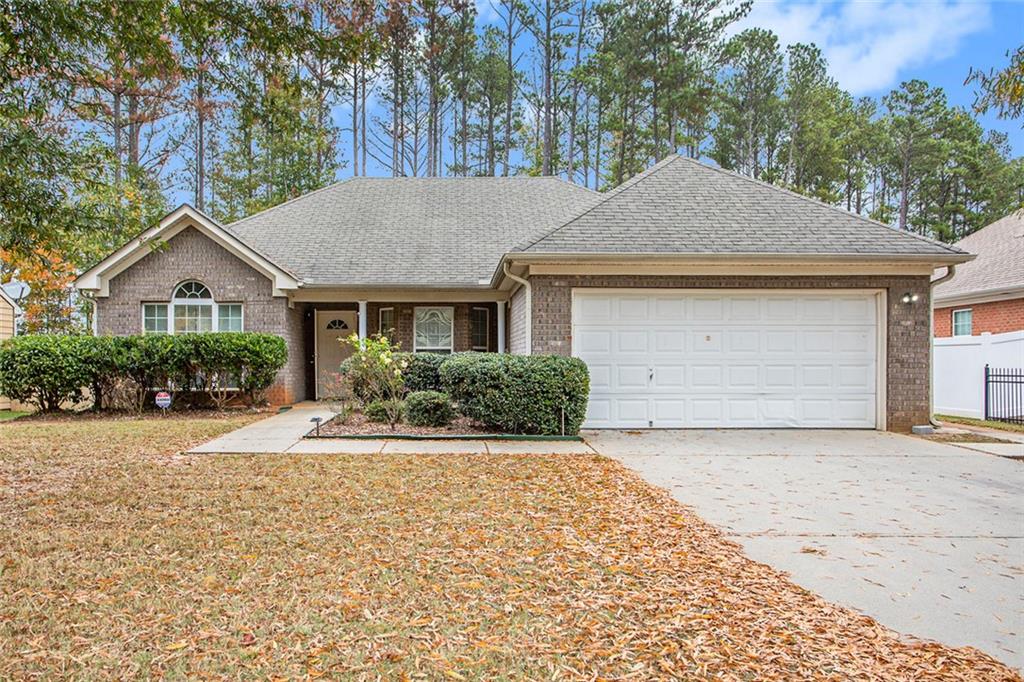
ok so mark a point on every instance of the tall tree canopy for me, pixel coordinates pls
(108, 109)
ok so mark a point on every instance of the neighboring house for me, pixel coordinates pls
(698, 297)
(979, 322)
(987, 294)
(7, 308)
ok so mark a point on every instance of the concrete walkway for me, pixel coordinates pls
(925, 537)
(284, 433)
(273, 434)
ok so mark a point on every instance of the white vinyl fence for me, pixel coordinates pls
(959, 369)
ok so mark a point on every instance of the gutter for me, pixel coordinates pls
(529, 305)
(950, 272)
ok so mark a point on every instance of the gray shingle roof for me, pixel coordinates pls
(436, 232)
(1000, 261)
(683, 206)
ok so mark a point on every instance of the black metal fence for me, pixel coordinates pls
(1004, 395)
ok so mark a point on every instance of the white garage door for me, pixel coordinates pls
(672, 359)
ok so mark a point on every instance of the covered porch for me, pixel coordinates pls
(449, 323)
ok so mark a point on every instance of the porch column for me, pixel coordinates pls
(501, 326)
(362, 322)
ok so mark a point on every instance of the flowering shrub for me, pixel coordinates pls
(378, 370)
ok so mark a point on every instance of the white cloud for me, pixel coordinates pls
(870, 45)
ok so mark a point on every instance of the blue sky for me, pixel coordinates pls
(873, 45)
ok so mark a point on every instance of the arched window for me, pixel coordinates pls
(192, 309)
(192, 290)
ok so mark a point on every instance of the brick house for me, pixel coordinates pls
(987, 294)
(697, 297)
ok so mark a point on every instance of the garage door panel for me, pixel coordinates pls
(632, 308)
(593, 310)
(671, 341)
(743, 341)
(593, 341)
(631, 377)
(704, 341)
(630, 411)
(706, 411)
(743, 377)
(706, 376)
(780, 341)
(780, 377)
(675, 359)
(600, 377)
(668, 309)
(707, 308)
(853, 341)
(669, 412)
(671, 377)
(631, 341)
(742, 411)
(744, 309)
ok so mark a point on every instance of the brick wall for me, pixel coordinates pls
(996, 317)
(517, 322)
(907, 393)
(192, 255)
(461, 324)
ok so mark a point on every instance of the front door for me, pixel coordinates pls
(332, 327)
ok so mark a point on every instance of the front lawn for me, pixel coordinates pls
(121, 558)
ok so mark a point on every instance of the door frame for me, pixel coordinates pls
(881, 323)
(316, 342)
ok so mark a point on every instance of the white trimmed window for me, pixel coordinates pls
(963, 324)
(154, 318)
(191, 310)
(229, 317)
(386, 322)
(433, 329)
(480, 329)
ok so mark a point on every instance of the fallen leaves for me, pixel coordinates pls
(119, 561)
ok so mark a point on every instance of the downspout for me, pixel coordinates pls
(529, 306)
(950, 271)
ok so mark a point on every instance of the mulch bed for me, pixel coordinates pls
(356, 424)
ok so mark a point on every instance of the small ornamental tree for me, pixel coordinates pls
(378, 369)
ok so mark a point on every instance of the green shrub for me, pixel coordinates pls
(46, 371)
(384, 411)
(429, 408)
(53, 370)
(535, 394)
(377, 373)
(423, 372)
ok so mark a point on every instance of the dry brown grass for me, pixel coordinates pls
(120, 559)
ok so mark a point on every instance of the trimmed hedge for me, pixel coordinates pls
(50, 371)
(429, 408)
(47, 371)
(423, 372)
(532, 394)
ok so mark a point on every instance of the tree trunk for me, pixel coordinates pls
(355, 119)
(117, 137)
(133, 129)
(548, 118)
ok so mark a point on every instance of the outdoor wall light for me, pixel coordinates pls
(910, 298)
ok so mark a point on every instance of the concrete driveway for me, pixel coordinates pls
(926, 538)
